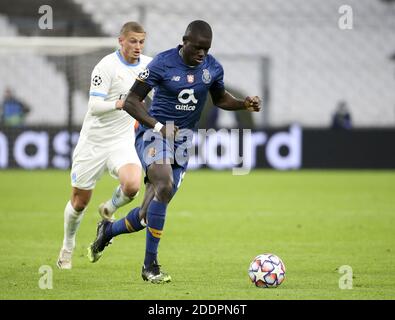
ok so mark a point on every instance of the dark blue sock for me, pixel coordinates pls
(156, 214)
(133, 220)
(128, 224)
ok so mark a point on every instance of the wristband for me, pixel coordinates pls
(158, 127)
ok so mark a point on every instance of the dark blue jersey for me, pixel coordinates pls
(180, 90)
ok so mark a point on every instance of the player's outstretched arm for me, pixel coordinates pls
(224, 100)
(135, 106)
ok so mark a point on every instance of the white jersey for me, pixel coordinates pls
(111, 79)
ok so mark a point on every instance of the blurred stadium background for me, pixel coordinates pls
(292, 53)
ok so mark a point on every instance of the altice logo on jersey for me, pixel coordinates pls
(185, 97)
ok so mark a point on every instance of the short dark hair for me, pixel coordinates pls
(199, 27)
(132, 26)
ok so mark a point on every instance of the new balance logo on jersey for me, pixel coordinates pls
(186, 96)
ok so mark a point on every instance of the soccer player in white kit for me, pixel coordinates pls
(107, 137)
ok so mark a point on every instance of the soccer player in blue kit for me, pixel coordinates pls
(182, 78)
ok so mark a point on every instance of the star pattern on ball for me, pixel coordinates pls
(267, 271)
(277, 268)
(259, 274)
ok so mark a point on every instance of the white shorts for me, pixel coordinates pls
(91, 160)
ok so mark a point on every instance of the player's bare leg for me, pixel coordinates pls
(148, 196)
(73, 214)
(130, 180)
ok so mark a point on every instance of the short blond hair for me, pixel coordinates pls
(132, 26)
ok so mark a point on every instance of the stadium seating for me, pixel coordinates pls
(34, 80)
(313, 63)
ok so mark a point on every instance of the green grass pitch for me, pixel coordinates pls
(316, 221)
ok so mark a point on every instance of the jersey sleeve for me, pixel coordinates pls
(218, 82)
(101, 79)
(153, 73)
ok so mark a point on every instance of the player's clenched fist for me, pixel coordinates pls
(252, 104)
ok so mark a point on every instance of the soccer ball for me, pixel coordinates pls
(267, 271)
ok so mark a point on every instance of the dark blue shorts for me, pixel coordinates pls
(152, 147)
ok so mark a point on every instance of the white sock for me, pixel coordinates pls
(72, 220)
(118, 199)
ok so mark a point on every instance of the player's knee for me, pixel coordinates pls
(80, 199)
(79, 204)
(164, 191)
(131, 189)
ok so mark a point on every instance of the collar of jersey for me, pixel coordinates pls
(125, 62)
